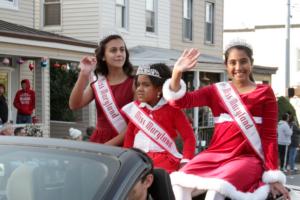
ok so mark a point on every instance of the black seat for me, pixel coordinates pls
(161, 188)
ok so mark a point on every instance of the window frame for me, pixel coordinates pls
(154, 14)
(44, 13)
(124, 14)
(14, 5)
(211, 18)
(188, 18)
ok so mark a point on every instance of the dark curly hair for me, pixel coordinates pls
(101, 67)
(164, 72)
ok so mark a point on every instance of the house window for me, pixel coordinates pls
(298, 60)
(187, 19)
(209, 22)
(52, 13)
(150, 16)
(121, 13)
(12, 4)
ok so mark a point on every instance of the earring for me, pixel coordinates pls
(103, 59)
(158, 95)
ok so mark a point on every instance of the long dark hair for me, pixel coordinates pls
(102, 67)
(248, 52)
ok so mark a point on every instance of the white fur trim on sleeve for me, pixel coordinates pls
(272, 176)
(171, 95)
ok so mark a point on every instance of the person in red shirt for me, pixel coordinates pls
(24, 102)
(154, 124)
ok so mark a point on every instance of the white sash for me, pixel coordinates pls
(151, 128)
(240, 114)
(106, 100)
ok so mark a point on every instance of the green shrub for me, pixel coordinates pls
(61, 84)
(285, 106)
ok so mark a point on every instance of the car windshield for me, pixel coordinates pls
(41, 173)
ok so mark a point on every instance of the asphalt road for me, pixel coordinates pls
(293, 180)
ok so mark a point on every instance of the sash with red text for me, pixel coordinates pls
(151, 128)
(105, 98)
(240, 115)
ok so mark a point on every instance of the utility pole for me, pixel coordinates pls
(287, 48)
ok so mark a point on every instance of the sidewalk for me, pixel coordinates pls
(293, 178)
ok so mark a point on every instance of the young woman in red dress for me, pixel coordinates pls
(241, 160)
(111, 85)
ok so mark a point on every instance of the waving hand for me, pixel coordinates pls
(187, 60)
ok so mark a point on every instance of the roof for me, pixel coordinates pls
(259, 69)
(8, 29)
(140, 55)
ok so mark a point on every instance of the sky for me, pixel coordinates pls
(248, 13)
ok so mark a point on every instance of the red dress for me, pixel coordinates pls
(230, 165)
(123, 94)
(172, 120)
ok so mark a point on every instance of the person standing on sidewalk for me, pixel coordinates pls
(24, 102)
(284, 139)
(294, 143)
(3, 105)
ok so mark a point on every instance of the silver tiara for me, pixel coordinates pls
(238, 42)
(108, 32)
(146, 70)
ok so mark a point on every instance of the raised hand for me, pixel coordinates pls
(87, 65)
(187, 60)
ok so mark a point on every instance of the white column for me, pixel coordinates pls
(45, 72)
(196, 109)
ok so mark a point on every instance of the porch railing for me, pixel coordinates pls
(204, 135)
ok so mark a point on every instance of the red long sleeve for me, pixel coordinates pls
(268, 133)
(187, 134)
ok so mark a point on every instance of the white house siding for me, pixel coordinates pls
(136, 33)
(198, 28)
(37, 14)
(25, 73)
(80, 19)
(216, 48)
(22, 15)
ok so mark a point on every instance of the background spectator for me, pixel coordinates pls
(88, 133)
(7, 129)
(24, 102)
(20, 131)
(3, 105)
(284, 139)
(294, 143)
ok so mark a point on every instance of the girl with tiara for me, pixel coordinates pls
(241, 160)
(153, 124)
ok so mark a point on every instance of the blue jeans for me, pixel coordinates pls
(23, 119)
(292, 157)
